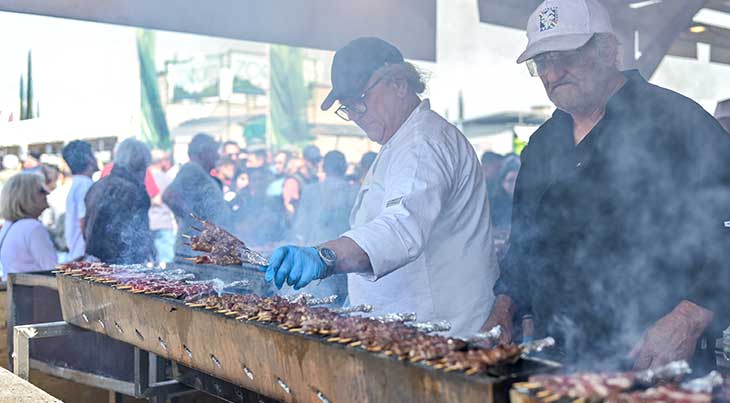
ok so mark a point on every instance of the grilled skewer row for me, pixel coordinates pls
(392, 338)
(664, 393)
(627, 387)
(588, 386)
(135, 282)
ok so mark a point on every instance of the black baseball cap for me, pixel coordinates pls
(353, 65)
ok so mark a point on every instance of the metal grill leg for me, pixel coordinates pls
(115, 397)
(21, 342)
(21, 353)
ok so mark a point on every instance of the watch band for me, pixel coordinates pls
(328, 264)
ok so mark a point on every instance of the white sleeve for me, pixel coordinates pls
(417, 185)
(41, 248)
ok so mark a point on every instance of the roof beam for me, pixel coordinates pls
(513, 14)
(322, 24)
(719, 5)
(660, 40)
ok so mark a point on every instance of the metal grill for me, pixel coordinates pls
(265, 359)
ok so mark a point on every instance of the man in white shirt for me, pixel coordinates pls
(81, 161)
(420, 239)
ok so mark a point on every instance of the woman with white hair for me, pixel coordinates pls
(25, 244)
(117, 227)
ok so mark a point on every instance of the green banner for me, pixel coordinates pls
(288, 97)
(154, 126)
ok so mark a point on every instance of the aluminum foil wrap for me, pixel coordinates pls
(673, 370)
(140, 271)
(253, 257)
(397, 317)
(536, 346)
(295, 298)
(706, 384)
(321, 301)
(356, 308)
(492, 335)
(219, 286)
(309, 299)
(430, 327)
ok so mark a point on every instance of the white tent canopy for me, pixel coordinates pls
(43, 130)
(321, 24)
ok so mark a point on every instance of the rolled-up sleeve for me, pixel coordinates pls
(417, 185)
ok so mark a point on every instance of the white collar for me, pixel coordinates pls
(425, 105)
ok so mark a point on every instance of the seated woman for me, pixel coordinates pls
(25, 244)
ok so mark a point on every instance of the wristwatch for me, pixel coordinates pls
(329, 258)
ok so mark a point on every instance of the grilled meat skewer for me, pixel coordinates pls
(221, 246)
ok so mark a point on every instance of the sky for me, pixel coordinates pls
(85, 70)
(81, 70)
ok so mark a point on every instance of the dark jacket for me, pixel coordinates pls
(258, 220)
(611, 234)
(194, 191)
(117, 227)
(324, 210)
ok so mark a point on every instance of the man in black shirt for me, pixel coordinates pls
(195, 191)
(619, 223)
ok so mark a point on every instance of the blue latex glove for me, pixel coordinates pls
(296, 265)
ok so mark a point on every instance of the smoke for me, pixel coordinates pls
(629, 223)
(117, 221)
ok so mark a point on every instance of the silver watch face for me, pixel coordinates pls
(328, 255)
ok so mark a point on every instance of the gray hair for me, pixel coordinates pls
(133, 155)
(607, 47)
(414, 77)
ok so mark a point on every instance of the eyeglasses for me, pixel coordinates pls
(357, 107)
(540, 64)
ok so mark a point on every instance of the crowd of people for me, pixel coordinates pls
(615, 215)
(131, 209)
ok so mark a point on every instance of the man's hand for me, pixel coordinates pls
(502, 314)
(296, 265)
(673, 337)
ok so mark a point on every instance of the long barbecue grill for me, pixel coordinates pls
(267, 359)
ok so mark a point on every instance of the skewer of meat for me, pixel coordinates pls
(663, 394)
(605, 386)
(221, 246)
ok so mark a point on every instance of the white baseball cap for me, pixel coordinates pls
(723, 109)
(560, 25)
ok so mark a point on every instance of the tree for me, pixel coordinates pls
(26, 93)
